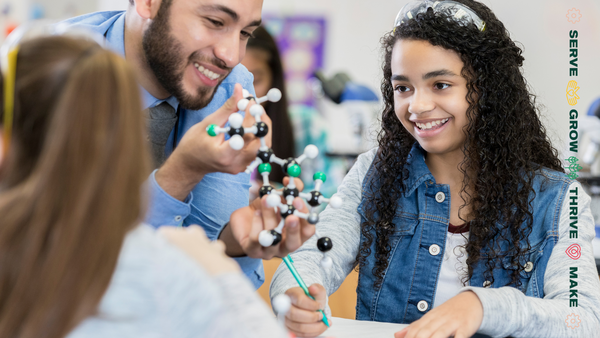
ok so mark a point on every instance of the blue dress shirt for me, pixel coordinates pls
(213, 200)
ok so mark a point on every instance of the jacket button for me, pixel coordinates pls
(422, 306)
(528, 267)
(487, 284)
(440, 197)
(434, 249)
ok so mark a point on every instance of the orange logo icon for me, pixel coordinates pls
(573, 321)
(573, 15)
(572, 89)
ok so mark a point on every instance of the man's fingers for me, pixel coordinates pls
(300, 205)
(221, 115)
(270, 217)
(293, 238)
(266, 119)
(298, 182)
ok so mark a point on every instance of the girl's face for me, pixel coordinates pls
(430, 95)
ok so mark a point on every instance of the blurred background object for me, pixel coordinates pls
(263, 61)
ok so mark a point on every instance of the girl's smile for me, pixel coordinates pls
(430, 127)
(430, 95)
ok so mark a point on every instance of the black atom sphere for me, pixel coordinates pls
(314, 198)
(276, 237)
(290, 211)
(290, 192)
(265, 190)
(265, 155)
(261, 129)
(236, 131)
(324, 244)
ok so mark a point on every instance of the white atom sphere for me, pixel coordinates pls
(273, 200)
(326, 263)
(256, 110)
(242, 104)
(335, 201)
(245, 93)
(265, 238)
(311, 151)
(274, 95)
(236, 142)
(282, 304)
(235, 120)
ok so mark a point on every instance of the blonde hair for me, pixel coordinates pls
(70, 186)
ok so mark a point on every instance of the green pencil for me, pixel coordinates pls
(290, 264)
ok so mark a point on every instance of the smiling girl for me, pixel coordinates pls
(459, 220)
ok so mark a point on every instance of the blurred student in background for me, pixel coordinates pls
(294, 125)
(263, 61)
(74, 258)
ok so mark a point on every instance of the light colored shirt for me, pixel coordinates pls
(212, 201)
(454, 267)
(157, 291)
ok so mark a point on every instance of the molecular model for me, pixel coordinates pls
(281, 304)
(235, 129)
(290, 166)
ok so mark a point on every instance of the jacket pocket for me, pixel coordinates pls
(529, 261)
(404, 223)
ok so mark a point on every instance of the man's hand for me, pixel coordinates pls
(199, 154)
(303, 319)
(459, 317)
(245, 224)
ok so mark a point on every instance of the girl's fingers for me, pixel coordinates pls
(401, 333)
(305, 330)
(302, 301)
(302, 316)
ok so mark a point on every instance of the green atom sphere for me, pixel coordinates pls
(320, 176)
(294, 170)
(264, 168)
(212, 130)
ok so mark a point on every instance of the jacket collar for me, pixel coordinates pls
(418, 172)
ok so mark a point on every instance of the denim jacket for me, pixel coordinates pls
(409, 284)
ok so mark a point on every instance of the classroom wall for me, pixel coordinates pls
(355, 26)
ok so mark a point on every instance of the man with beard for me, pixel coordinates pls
(186, 54)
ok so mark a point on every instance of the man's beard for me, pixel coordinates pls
(163, 54)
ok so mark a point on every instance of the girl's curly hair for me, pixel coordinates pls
(505, 144)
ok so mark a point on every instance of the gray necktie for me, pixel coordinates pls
(160, 121)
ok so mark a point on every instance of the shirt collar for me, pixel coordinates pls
(116, 40)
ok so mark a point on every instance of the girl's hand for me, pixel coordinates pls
(460, 317)
(304, 319)
(193, 241)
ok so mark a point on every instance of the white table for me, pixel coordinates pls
(348, 328)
